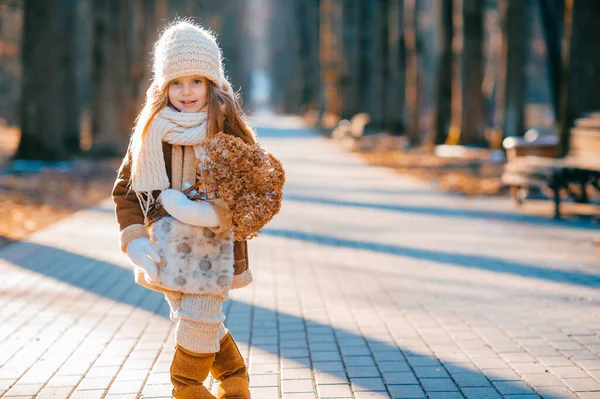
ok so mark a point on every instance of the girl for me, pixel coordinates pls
(189, 100)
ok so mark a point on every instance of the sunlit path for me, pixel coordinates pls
(367, 285)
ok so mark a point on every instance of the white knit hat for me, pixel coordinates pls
(186, 49)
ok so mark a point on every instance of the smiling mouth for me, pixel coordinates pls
(188, 102)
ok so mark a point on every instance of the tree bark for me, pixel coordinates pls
(350, 82)
(113, 109)
(308, 23)
(331, 55)
(581, 66)
(395, 88)
(443, 75)
(552, 17)
(512, 82)
(49, 111)
(473, 101)
(413, 76)
(375, 57)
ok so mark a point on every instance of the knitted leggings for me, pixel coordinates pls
(199, 321)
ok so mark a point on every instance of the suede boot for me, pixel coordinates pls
(188, 372)
(230, 370)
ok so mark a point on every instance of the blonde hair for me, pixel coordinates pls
(225, 114)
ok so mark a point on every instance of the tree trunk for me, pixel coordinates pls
(443, 76)
(512, 82)
(413, 76)
(230, 32)
(581, 71)
(375, 57)
(552, 17)
(331, 55)
(473, 101)
(308, 23)
(113, 110)
(49, 110)
(145, 26)
(395, 88)
(350, 82)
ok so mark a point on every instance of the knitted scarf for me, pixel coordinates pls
(147, 159)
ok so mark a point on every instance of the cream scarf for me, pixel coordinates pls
(185, 131)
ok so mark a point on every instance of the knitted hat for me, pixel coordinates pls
(186, 49)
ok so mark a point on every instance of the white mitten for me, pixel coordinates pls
(141, 253)
(196, 213)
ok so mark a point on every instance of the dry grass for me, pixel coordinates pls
(32, 201)
(466, 176)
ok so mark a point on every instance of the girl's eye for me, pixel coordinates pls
(175, 83)
(197, 81)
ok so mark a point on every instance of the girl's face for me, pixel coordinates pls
(189, 93)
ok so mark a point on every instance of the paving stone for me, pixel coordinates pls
(513, 388)
(400, 378)
(371, 395)
(430, 372)
(542, 380)
(445, 395)
(555, 393)
(470, 379)
(438, 384)
(406, 391)
(303, 395)
(481, 393)
(265, 392)
(334, 391)
(264, 380)
(292, 386)
(367, 384)
(582, 384)
(362, 283)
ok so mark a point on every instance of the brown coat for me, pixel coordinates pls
(131, 219)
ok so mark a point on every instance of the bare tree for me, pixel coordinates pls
(375, 61)
(443, 76)
(331, 54)
(48, 109)
(113, 106)
(472, 99)
(307, 14)
(395, 93)
(580, 69)
(232, 38)
(552, 17)
(413, 75)
(512, 85)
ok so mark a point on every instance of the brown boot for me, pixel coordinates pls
(229, 368)
(188, 372)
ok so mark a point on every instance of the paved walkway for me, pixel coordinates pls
(368, 285)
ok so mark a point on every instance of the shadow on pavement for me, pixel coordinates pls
(449, 212)
(332, 349)
(487, 263)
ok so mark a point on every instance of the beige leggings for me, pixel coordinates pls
(199, 321)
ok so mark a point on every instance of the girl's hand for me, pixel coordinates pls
(196, 213)
(142, 253)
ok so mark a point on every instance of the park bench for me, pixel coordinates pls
(574, 174)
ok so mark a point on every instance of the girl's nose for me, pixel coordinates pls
(187, 89)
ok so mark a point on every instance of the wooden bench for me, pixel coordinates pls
(573, 174)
